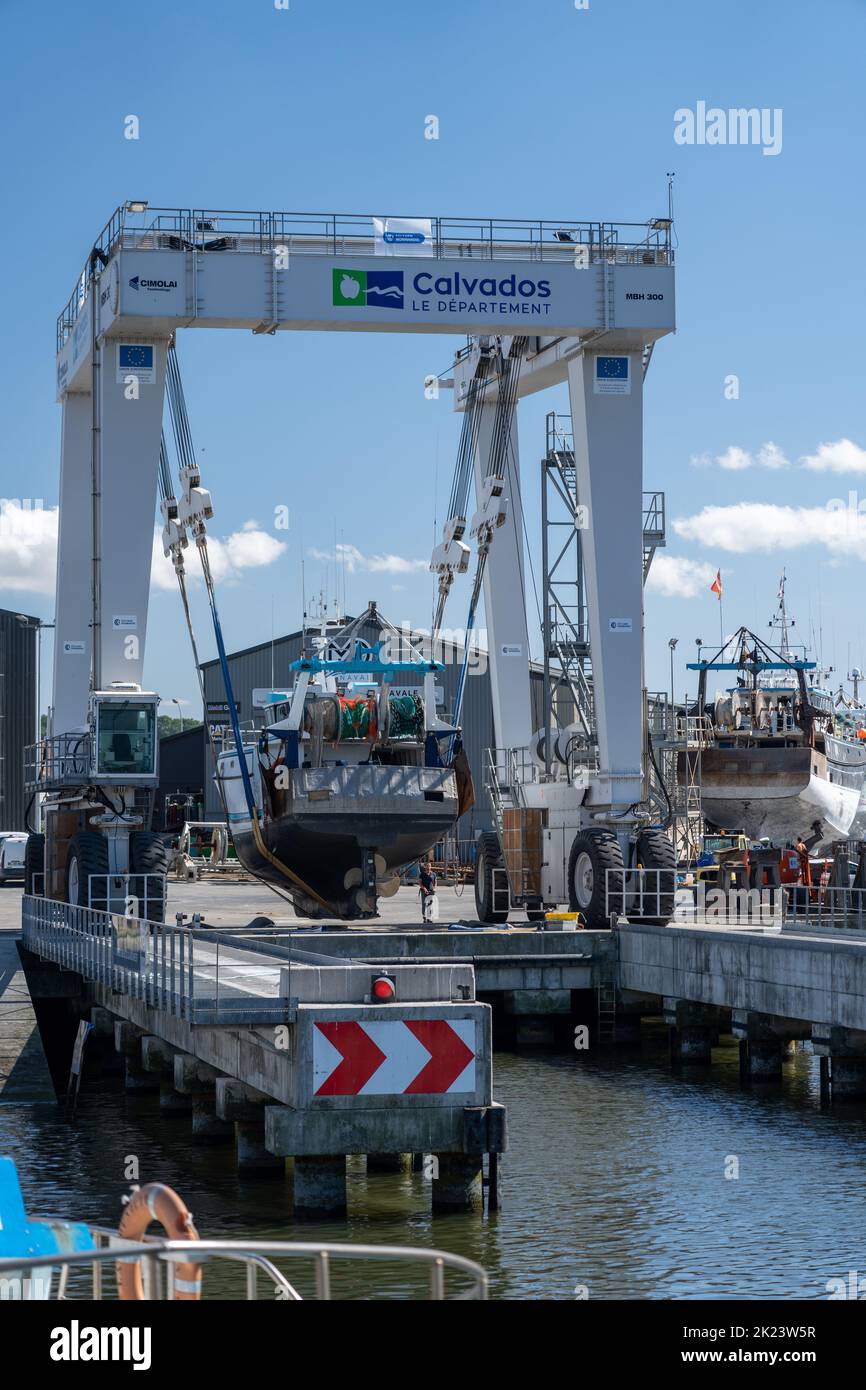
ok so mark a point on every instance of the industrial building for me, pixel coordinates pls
(266, 667)
(19, 635)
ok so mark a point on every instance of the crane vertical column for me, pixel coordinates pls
(504, 596)
(131, 401)
(72, 637)
(607, 421)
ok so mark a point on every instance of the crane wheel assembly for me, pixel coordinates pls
(87, 855)
(148, 855)
(593, 852)
(656, 853)
(34, 863)
(492, 896)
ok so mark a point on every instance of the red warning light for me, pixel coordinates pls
(384, 988)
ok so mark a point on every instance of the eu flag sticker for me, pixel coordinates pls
(612, 377)
(135, 359)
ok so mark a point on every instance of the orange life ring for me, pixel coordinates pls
(156, 1202)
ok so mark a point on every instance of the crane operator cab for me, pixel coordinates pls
(97, 786)
(124, 734)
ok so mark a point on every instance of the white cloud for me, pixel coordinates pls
(737, 460)
(842, 457)
(767, 527)
(28, 547)
(675, 576)
(353, 559)
(771, 456)
(734, 459)
(249, 548)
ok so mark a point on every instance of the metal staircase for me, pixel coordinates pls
(567, 657)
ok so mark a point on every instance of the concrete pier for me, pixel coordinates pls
(536, 1012)
(244, 1107)
(694, 1030)
(284, 1051)
(761, 1061)
(196, 1079)
(127, 1041)
(458, 1183)
(764, 1042)
(389, 1163)
(157, 1056)
(319, 1185)
(252, 1156)
(692, 1044)
(848, 1078)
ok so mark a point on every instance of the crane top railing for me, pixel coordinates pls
(207, 230)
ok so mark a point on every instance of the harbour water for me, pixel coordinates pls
(623, 1180)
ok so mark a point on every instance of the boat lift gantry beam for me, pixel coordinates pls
(595, 296)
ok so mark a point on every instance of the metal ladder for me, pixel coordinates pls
(606, 1016)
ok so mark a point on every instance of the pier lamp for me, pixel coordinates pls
(672, 643)
(383, 990)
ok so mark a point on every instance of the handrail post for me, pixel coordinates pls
(191, 979)
(323, 1277)
(437, 1280)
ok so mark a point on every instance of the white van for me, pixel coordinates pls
(12, 844)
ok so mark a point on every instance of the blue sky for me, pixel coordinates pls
(545, 111)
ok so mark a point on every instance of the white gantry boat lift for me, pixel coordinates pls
(543, 303)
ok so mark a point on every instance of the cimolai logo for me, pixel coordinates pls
(138, 282)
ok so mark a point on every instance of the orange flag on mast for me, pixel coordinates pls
(716, 586)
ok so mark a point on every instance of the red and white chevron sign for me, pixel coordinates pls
(403, 1057)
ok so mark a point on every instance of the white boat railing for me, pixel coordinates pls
(159, 1258)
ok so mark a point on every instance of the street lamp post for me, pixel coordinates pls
(672, 642)
(177, 702)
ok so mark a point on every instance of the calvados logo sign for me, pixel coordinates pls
(367, 289)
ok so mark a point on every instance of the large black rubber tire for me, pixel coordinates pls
(34, 863)
(88, 853)
(488, 857)
(655, 851)
(593, 852)
(148, 854)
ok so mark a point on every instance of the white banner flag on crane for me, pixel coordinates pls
(403, 236)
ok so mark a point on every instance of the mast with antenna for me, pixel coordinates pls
(780, 622)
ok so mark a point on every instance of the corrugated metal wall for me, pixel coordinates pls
(251, 669)
(17, 712)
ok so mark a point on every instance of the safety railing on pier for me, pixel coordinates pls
(826, 906)
(187, 972)
(657, 895)
(34, 1276)
(210, 231)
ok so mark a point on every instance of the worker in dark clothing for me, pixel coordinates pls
(427, 884)
(802, 894)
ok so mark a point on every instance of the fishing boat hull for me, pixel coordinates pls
(337, 827)
(779, 793)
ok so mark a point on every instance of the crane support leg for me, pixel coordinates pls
(607, 422)
(72, 645)
(504, 596)
(130, 428)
